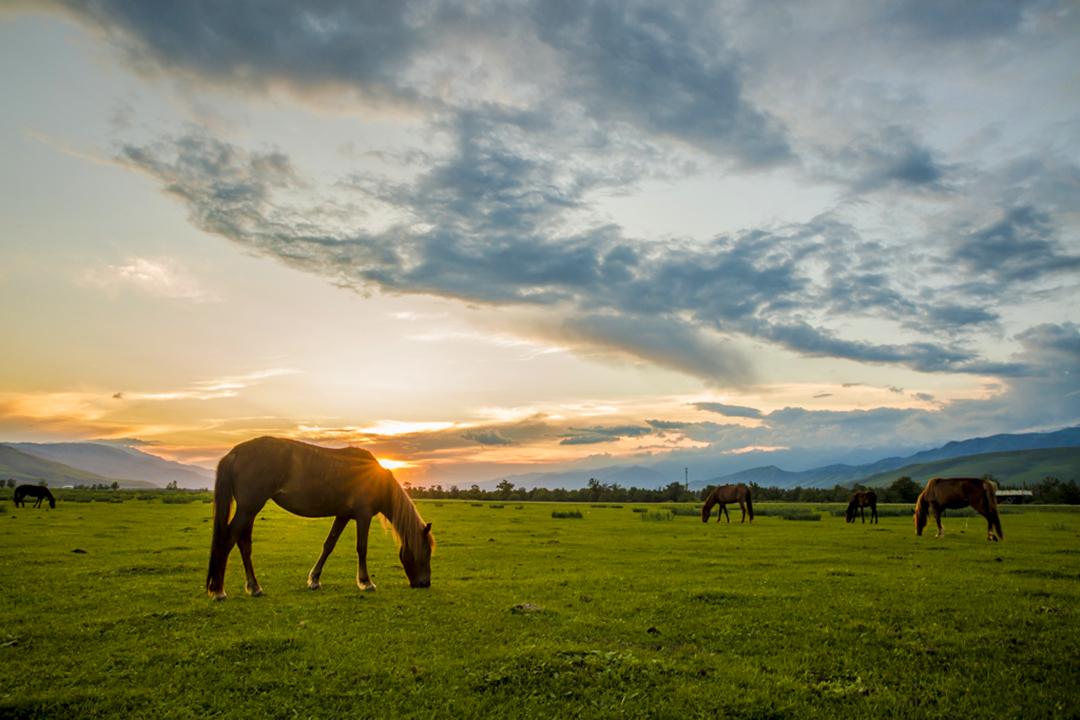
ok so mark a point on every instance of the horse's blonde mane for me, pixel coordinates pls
(405, 521)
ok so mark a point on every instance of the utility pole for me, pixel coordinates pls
(686, 479)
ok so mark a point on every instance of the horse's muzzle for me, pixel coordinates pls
(420, 584)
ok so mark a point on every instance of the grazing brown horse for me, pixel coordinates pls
(311, 481)
(952, 493)
(860, 501)
(35, 491)
(728, 494)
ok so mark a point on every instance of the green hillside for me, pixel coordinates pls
(1014, 467)
(26, 468)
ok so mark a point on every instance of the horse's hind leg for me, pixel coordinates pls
(327, 548)
(363, 581)
(244, 543)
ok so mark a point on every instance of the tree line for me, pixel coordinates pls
(1050, 491)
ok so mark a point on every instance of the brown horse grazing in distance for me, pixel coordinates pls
(728, 494)
(345, 484)
(952, 493)
(860, 501)
(35, 491)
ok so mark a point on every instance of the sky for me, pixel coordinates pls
(488, 238)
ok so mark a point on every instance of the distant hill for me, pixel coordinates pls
(26, 468)
(1069, 437)
(1008, 468)
(122, 463)
(831, 475)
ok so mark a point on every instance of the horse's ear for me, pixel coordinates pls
(427, 528)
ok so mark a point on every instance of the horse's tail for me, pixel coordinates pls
(992, 508)
(749, 505)
(219, 545)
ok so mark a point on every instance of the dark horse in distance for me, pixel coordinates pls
(35, 491)
(860, 501)
(951, 493)
(728, 494)
(345, 484)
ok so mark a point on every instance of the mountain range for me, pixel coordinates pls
(892, 467)
(127, 465)
(25, 468)
(830, 475)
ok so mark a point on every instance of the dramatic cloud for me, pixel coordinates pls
(945, 237)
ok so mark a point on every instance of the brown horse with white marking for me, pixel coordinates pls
(952, 493)
(860, 501)
(728, 494)
(311, 481)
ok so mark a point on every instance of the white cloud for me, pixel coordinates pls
(162, 278)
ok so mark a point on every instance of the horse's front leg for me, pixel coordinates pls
(936, 509)
(862, 514)
(726, 515)
(742, 506)
(363, 581)
(328, 547)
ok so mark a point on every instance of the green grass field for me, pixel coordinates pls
(637, 618)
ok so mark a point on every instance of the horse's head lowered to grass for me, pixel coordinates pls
(417, 563)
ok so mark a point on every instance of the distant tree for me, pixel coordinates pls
(904, 490)
(505, 487)
(596, 490)
(172, 486)
(11, 482)
(115, 485)
(672, 491)
(1069, 494)
(41, 482)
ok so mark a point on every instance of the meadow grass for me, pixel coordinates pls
(772, 619)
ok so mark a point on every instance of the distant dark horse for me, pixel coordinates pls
(952, 493)
(37, 491)
(345, 484)
(859, 501)
(728, 494)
